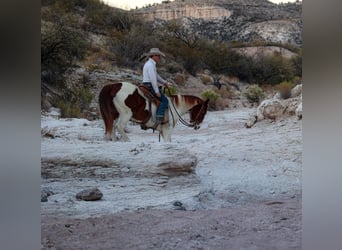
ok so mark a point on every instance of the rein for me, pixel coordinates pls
(184, 122)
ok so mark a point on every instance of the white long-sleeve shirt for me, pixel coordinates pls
(150, 75)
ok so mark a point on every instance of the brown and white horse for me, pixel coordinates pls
(121, 102)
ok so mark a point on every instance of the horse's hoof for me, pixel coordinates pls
(143, 126)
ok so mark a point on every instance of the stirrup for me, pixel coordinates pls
(156, 124)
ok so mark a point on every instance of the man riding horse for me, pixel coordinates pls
(150, 80)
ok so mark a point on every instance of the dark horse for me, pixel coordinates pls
(121, 102)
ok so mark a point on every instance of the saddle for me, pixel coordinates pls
(151, 98)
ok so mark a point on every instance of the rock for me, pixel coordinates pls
(231, 21)
(299, 111)
(181, 164)
(296, 91)
(44, 194)
(91, 194)
(251, 121)
(54, 112)
(178, 205)
(270, 109)
(291, 105)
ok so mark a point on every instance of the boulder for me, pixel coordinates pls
(270, 109)
(92, 194)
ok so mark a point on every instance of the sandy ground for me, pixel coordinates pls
(244, 191)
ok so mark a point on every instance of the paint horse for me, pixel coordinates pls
(123, 102)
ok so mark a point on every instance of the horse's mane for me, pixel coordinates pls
(187, 98)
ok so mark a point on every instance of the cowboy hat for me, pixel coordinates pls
(155, 51)
(152, 52)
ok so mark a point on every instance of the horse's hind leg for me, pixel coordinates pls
(109, 119)
(110, 129)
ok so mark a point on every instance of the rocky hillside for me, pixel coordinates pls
(86, 43)
(232, 20)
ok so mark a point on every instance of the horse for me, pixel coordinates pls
(123, 101)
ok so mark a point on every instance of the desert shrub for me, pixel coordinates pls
(284, 89)
(297, 80)
(176, 31)
(271, 69)
(129, 45)
(185, 46)
(99, 59)
(206, 78)
(219, 58)
(102, 18)
(61, 46)
(74, 102)
(225, 92)
(173, 68)
(179, 79)
(68, 110)
(210, 94)
(220, 104)
(190, 58)
(212, 97)
(297, 65)
(170, 91)
(216, 102)
(254, 93)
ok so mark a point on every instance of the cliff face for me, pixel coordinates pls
(203, 12)
(232, 20)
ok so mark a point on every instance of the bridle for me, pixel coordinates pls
(184, 122)
(198, 114)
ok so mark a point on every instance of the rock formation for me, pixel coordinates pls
(232, 20)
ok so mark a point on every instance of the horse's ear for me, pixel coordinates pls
(206, 102)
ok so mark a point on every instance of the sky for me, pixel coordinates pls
(131, 4)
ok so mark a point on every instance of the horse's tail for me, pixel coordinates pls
(108, 111)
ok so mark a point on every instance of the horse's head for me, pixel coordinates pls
(197, 114)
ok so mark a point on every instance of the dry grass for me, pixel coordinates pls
(99, 60)
(206, 79)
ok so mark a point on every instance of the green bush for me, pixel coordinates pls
(271, 69)
(210, 94)
(74, 102)
(68, 110)
(254, 93)
(170, 91)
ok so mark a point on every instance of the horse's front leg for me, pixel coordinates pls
(165, 132)
(121, 125)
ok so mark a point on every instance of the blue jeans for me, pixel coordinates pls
(163, 105)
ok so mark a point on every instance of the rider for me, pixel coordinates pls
(150, 79)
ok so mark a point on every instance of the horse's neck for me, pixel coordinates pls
(184, 103)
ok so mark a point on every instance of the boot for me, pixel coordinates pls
(157, 123)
